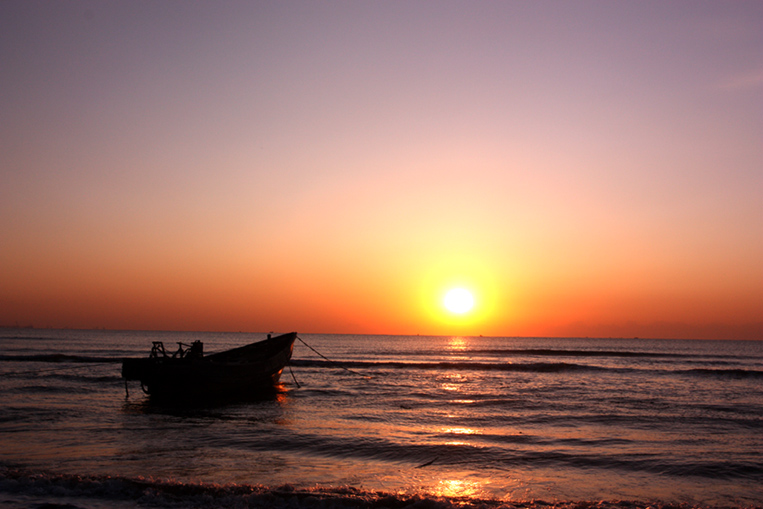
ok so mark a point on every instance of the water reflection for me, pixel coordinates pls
(453, 382)
(457, 344)
(461, 431)
(276, 398)
(458, 488)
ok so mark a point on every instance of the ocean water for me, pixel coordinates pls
(389, 421)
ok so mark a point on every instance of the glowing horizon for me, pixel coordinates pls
(582, 169)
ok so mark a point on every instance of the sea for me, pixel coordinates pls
(369, 421)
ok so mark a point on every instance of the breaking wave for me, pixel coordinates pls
(51, 490)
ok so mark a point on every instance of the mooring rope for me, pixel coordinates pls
(294, 377)
(331, 361)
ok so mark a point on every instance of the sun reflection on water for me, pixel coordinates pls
(462, 431)
(457, 343)
(458, 488)
(459, 431)
(453, 382)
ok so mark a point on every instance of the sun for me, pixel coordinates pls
(458, 301)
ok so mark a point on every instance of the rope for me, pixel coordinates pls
(294, 377)
(333, 362)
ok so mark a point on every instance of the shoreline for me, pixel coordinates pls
(20, 487)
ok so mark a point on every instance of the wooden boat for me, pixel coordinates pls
(249, 370)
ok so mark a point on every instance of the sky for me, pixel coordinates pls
(585, 168)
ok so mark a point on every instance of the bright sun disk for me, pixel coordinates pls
(458, 300)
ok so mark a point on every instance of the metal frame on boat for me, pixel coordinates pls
(248, 370)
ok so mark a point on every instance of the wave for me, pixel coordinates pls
(526, 367)
(575, 353)
(59, 358)
(725, 373)
(539, 367)
(75, 491)
(564, 352)
(490, 450)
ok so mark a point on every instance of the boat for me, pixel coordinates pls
(187, 374)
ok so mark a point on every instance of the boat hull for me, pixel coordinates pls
(250, 370)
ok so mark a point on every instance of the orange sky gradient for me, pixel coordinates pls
(585, 169)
